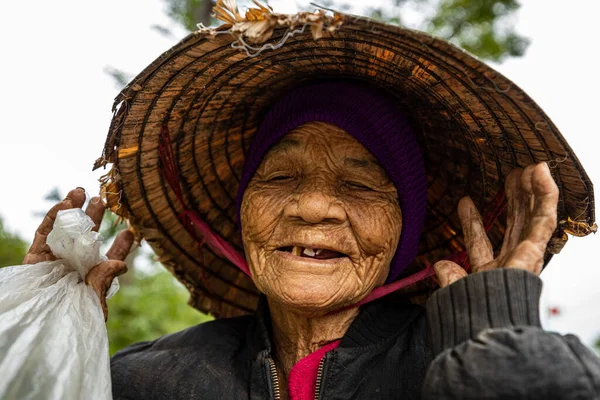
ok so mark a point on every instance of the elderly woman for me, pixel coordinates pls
(336, 165)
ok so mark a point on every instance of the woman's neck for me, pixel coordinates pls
(296, 335)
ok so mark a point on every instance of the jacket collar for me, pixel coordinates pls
(376, 321)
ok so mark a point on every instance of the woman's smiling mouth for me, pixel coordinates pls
(314, 253)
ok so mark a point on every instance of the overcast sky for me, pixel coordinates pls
(56, 107)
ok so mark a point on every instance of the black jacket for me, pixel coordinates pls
(485, 342)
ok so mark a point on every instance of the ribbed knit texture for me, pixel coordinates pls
(371, 118)
(382, 319)
(501, 298)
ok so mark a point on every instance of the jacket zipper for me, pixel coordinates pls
(274, 380)
(319, 378)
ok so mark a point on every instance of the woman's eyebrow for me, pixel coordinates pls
(364, 163)
(287, 144)
(367, 165)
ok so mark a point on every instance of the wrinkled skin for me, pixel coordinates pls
(319, 188)
(100, 276)
(532, 216)
(308, 193)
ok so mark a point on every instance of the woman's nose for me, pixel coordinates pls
(314, 207)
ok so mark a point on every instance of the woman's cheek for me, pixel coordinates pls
(377, 228)
(254, 212)
(261, 212)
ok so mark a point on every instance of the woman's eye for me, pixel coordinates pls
(357, 185)
(279, 178)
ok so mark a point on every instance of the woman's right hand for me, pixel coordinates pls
(532, 198)
(100, 276)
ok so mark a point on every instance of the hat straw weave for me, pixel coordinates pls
(211, 90)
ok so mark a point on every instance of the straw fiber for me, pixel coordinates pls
(474, 126)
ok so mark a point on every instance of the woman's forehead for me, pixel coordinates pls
(324, 137)
(323, 146)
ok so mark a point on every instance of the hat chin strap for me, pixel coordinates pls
(191, 220)
(493, 212)
(194, 224)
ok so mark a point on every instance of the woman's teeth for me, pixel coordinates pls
(311, 252)
(320, 254)
(299, 251)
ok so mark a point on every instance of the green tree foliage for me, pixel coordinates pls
(150, 302)
(483, 27)
(152, 305)
(12, 247)
(188, 13)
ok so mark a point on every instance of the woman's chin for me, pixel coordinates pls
(315, 296)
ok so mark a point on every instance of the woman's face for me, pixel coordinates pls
(320, 221)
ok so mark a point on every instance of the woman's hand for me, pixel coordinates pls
(532, 200)
(100, 276)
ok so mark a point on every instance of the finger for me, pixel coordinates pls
(528, 256)
(100, 278)
(448, 272)
(545, 201)
(478, 244)
(104, 308)
(74, 199)
(527, 199)
(518, 203)
(95, 210)
(34, 258)
(527, 186)
(121, 246)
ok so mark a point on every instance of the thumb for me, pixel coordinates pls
(448, 272)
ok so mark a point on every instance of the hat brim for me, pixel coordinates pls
(474, 126)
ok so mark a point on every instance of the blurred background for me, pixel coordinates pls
(64, 61)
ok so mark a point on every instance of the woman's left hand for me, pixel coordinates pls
(532, 198)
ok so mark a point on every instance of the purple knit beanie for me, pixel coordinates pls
(371, 118)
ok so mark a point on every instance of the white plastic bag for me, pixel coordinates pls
(53, 341)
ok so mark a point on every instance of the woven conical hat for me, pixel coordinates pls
(211, 90)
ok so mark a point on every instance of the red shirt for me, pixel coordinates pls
(302, 380)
